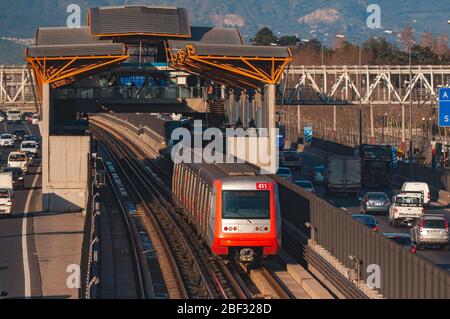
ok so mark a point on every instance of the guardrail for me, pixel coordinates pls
(402, 275)
(90, 256)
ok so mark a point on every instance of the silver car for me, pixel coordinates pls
(375, 202)
(430, 230)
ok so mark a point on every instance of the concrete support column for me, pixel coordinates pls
(236, 110)
(258, 108)
(45, 130)
(64, 165)
(270, 124)
(298, 120)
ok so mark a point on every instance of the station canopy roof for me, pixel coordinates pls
(139, 20)
(230, 63)
(60, 56)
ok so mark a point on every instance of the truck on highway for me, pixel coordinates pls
(14, 116)
(376, 165)
(6, 193)
(406, 208)
(343, 175)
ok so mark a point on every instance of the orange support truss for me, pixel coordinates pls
(60, 71)
(239, 72)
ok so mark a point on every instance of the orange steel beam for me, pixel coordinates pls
(51, 77)
(216, 75)
(61, 69)
(241, 71)
(88, 68)
(259, 71)
(232, 69)
(57, 71)
(206, 72)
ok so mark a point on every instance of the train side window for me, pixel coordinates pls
(203, 199)
(182, 180)
(191, 191)
(200, 201)
(187, 190)
(210, 202)
(195, 196)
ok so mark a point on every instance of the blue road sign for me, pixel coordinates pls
(308, 133)
(444, 107)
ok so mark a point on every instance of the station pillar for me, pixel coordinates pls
(65, 165)
(269, 110)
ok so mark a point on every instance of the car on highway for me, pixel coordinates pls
(430, 230)
(318, 174)
(374, 202)
(406, 208)
(367, 220)
(27, 116)
(35, 119)
(14, 116)
(7, 140)
(290, 159)
(419, 187)
(33, 138)
(20, 134)
(285, 173)
(306, 185)
(18, 178)
(30, 148)
(20, 160)
(403, 240)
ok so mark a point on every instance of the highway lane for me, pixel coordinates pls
(440, 258)
(19, 270)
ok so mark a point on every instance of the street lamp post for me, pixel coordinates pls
(358, 75)
(410, 111)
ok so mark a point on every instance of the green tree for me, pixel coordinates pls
(264, 36)
(288, 41)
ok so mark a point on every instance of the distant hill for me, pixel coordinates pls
(11, 53)
(307, 19)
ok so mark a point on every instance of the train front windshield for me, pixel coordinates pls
(246, 205)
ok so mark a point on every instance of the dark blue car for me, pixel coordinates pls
(367, 220)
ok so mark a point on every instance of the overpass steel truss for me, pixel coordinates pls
(16, 85)
(383, 84)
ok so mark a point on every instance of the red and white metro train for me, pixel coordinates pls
(235, 210)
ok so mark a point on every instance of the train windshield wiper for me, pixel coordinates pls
(236, 212)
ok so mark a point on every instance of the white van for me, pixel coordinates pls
(14, 116)
(6, 193)
(35, 119)
(20, 160)
(30, 148)
(418, 187)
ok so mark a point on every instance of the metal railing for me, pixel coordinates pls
(90, 260)
(129, 93)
